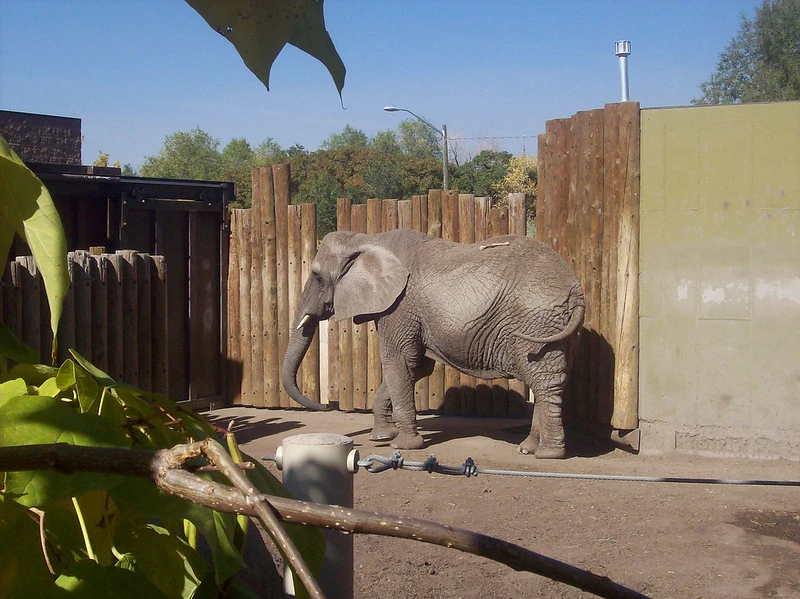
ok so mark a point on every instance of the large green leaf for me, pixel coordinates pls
(259, 29)
(27, 209)
(87, 579)
(34, 419)
(23, 570)
(164, 559)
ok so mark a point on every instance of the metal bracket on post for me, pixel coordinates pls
(318, 467)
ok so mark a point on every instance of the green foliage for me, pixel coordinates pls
(260, 30)
(185, 155)
(27, 210)
(419, 140)
(482, 174)
(104, 535)
(762, 62)
(236, 161)
(348, 138)
(130, 533)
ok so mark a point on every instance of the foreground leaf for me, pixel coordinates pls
(87, 579)
(23, 570)
(28, 209)
(34, 419)
(260, 29)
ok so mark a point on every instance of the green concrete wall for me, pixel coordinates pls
(720, 280)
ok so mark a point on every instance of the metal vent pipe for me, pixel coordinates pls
(623, 49)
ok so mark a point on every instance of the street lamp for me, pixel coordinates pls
(446, 176)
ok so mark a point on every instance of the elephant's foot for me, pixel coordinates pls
(408, 441)
(530, 444)
(383, 432)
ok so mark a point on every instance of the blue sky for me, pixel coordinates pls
(135, 71)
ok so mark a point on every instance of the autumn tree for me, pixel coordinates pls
(521, 177)
(762, 62)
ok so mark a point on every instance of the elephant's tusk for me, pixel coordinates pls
(494, 245)
(303, 321)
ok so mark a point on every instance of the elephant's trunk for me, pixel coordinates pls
(299, 342)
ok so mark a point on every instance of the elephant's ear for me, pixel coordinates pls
(374, 281)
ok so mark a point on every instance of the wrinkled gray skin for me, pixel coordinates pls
(504, 307)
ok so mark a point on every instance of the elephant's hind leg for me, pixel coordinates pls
(547, 377)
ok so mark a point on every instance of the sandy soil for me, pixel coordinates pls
(664, 540)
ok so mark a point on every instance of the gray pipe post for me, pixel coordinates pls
(623, 49)
(319, 467)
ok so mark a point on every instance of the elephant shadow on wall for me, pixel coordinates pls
(589, 398)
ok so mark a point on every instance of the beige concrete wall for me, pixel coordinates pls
(720, 280)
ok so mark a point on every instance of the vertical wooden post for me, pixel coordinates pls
(256, 298)
(517, 214)
(272, 357)
(358, 222)
(115, 278)
(234, 358)
(466, 234)
(99, 315)
(390, 217)
(344, 219)
(405, 215)
(374, 368)
(295, 259)
(308, 246)
(593, 266)
(82, 297)
(419, 222)
(483, 390)
(498, 225)
(626, 406)
(281, 182)
(450, 231)
(436, 386)
(518, 391)
(145, 324)
(160, 355)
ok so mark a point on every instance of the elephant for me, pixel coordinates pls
(506, 307)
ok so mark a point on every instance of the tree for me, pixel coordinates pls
(521, 177)
(762, 62)
(322, 189)
(185, 155)
(269, 152)
(386, 142)
(348, 138)
(236, 161)
(420, 140)
(483, 173)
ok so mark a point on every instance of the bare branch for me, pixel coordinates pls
(165, 467)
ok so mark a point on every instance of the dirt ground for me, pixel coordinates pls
(664, 540)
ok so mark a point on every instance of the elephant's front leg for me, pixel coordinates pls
(383, 428)
(399, 379)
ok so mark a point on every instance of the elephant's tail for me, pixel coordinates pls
(578, 307)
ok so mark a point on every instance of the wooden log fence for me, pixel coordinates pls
(116, 306)
(588, 210)
(271, 249)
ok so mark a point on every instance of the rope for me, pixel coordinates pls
(376, 463)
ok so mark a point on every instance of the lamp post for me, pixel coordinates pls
(443, 132)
